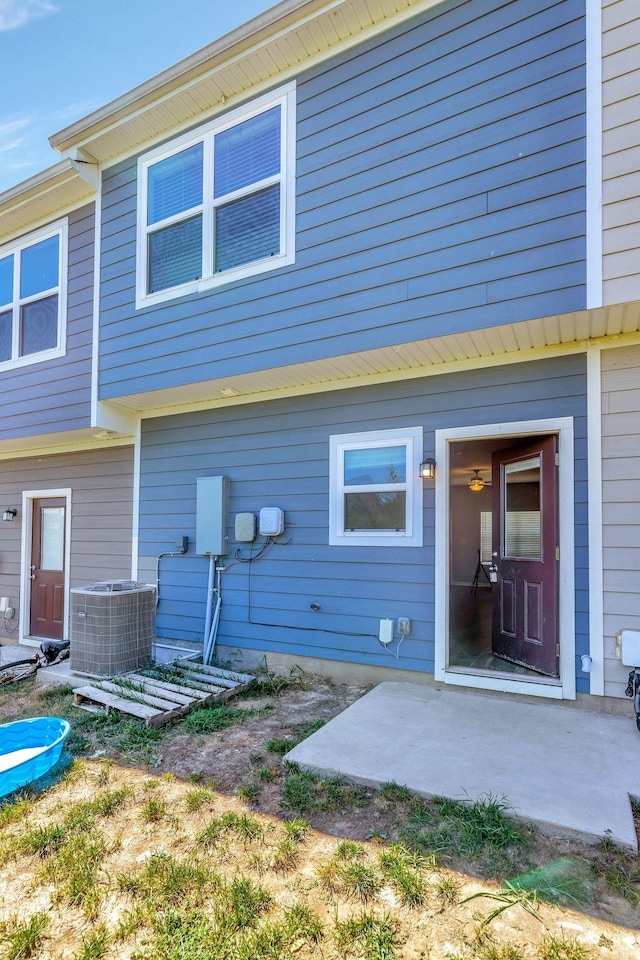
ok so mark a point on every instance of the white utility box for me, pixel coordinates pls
(630, 647)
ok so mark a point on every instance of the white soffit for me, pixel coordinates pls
(44, 196)
(268, 49)
(509, 343)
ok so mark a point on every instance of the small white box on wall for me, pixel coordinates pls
(271, 521)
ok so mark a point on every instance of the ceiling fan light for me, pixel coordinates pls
(476, 483)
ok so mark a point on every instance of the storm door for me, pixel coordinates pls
(525, 555)
(47, 571)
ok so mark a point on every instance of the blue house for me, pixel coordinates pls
(375, 265)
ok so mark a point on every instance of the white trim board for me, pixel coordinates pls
(28, 496)
(594, 485)
(566, 689)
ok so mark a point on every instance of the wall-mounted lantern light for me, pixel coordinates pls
(10, 513)
(428, 468)
(476, 483)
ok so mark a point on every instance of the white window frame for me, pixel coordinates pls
(412, 536)
(59, 229)
(285, 97)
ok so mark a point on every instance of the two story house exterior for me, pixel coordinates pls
(377, 265)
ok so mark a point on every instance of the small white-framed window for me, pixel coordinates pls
(33, 297)
(217, 204)
(375, 489)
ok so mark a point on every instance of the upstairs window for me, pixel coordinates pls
(376, 490)
(217, 205)
(32, 293)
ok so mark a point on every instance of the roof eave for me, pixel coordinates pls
(175, 76)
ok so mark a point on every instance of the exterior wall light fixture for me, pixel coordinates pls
(476, 483)
(10, 513)
(428, 468)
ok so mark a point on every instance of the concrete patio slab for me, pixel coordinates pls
(569, 770)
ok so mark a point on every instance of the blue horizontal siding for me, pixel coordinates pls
(277, 454)
(55, 395)
(440, 188)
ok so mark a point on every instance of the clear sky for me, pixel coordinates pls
(61, 59)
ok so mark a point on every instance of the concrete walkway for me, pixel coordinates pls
(570, 771)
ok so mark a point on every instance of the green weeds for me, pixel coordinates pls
(619, 869)
(367, 935)
(212, 719)
(304, 793)
(22, 938)
(480, 831)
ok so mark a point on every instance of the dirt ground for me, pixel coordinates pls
(243, 774)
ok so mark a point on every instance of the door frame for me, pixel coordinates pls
(28, 496)
(565, 688)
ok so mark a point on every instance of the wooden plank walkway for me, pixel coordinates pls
(162, 693)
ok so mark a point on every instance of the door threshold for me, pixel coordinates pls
(504, 682)
(504, 675)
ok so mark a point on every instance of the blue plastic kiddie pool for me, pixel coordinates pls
(29, 749)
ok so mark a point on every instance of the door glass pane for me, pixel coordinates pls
(522, 509)
(375, 465)
(52, 538)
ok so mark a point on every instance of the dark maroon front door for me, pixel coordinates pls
(47, 568)
(525, 554)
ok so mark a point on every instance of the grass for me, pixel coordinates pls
(481, 831)
(212, 719)
(22, 938)
(95, 945)
(299, 732)
(304, 792)
(403, 870)
(187, 874)
(619, 869)
(559, 948)
(369, 936)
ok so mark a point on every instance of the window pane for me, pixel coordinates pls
(6, 281)
(52, 538)
(5, 336)
(175, 255)
(522, 509)
(375, 465)
(247, 153)
(39, 267)
(175, 184)
(248, 229)
(39, 326)
(375, 511)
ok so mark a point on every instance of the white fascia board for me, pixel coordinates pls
(231, 49)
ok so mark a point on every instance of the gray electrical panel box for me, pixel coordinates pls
(212, 516)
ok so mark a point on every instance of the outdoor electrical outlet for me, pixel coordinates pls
(386, 632)
(9, 613)
(404, 626)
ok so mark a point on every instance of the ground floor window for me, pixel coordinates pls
(375, 488)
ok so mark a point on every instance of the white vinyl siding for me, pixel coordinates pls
(620, 505)
(621, 150)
